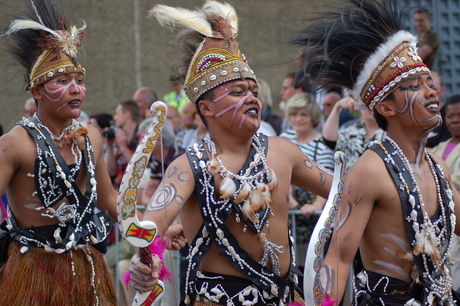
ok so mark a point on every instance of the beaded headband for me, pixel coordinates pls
(392, 63)
(213, 67)
(51, 64)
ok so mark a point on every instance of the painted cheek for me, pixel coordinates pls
(409, 102)
(235, 107)
(57, 91)
(222, 96)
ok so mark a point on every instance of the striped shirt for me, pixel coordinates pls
(316, 150)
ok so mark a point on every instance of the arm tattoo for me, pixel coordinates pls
(345, 214)
(171, 171)
(182, 177)
(322, 178)
(162, 197)
(308, 163)
(326, 274)
(358, 199)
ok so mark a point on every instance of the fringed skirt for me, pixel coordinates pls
(38, 277)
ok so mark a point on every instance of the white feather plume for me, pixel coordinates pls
(224, 10)
(179, 17)
(25, 24)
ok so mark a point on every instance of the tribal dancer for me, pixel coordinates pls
(231, 189)
(397, 212)
(54, 175)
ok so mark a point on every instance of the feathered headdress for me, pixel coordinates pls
(362, 47)
(208, 40)
(43, 42)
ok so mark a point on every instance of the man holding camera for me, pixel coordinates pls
(122, 142)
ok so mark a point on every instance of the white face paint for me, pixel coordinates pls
(58, 89)
(239, 97)
(422, 110)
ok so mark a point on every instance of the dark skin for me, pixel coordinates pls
(372, 218)
(232, 133)
(18, 153)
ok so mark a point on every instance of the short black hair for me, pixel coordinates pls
(455, 99)
(381, 120)
(104, 120)
(209, 95)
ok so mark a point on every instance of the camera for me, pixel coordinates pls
(110, 132)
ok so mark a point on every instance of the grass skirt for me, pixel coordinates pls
(38, 277)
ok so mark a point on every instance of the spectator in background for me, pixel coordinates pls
(177, 96)
(449, 150)
(30, 107)
(330, 99)
(101, 121)
(174, 116)
(304, 115)
(289, 88)
(127, 118)
(355, 136)
(271, 123)
(144, 97)
(428, 40)
(439, 133)
(192, 136)
(187, 116)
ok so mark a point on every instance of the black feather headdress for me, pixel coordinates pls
(43, 42)
(363, 46)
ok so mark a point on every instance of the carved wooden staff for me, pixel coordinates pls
(321, 233)
(140, 233)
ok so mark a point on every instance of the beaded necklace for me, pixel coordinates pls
(55, 186)
(251, 193)
(250, 190)
(60, 139)
(431, 237)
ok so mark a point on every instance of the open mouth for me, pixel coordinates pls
(253, 112)
(74, 103)
(432, 107)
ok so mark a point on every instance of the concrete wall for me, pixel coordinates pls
(124, 49)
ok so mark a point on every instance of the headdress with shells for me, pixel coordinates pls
(44, 44)
(211, 52)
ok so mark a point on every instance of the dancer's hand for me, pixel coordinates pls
(176, 237)
(144, 278)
